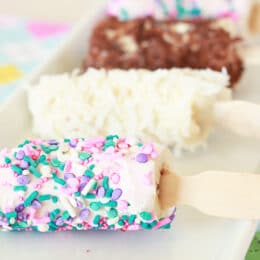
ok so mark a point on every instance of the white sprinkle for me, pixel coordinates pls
(26, 172)
(88, 187)
(68, 206)
(112, 221)
(43, 227)
(73, 202)
(12, 220)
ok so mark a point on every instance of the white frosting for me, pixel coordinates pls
(173, 107)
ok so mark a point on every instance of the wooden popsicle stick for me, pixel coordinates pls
(240, 117)
(221, 194)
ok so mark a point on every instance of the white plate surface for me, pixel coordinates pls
(193, 236)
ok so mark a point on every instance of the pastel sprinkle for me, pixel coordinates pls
(84, 156)
(20, 188)
(30, 198)
(146, 215)
(20, 155)
(44, 197)
(112, 213)
(23, 179)
(84, 213)
(35, 172)
(101, 192)
(54, 199)
(65, 215)
(116, 194)
(24, 165)
(17, 169)
(95, 206)
(142, 158)
(58, 180)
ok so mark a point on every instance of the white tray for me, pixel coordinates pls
(193, 236)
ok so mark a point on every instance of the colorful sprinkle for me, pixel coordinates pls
(142, 158)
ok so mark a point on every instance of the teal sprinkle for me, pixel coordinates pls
(89, 173)
(95, 205)
(79, 225)
(62, 166)
(53, 148)
(147, 226)
(7, 160)
(58, 180)
(2, 214)
(54, 214)
(109, 143)
(35, 172)
(77, 194)
(52, 226)
(111, 204)
(30, 161)
(96, 219)
(17, 169)
(12, 214)
(42, 159)
(124, 217)
(124, 14)
(83, 156)
(153, 224)
(44, 197)
(132, 219)
(94, 186)
(54, 199)
(111, 137)
(108, 193)
(66, 140)
(92, 166)
(89, 196)
(30, 198)
(46, 149)
(111, 226)
(65, 215)
(121, 222)
(20, 188)
(112, 213)
(105, 183)
(23, 144)
(55, 162)
(21, 225)
(146, 215)
(139, 144)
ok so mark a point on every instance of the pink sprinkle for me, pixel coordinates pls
(67, 167)
(44, 29)
(39, 221)
(134, 227)
(68, 191)
(115, 178)
(73, 183)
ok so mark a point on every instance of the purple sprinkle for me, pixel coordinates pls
(19, 208)
(84, 214)
(36, 204)
(53, 142)
(116, 194)
(79, 204)
(84, 178)
(69, 175)
(59, 221)
(23, 216)
(24, 165)
(73, 143)
(101, 192)
(142, 158)
(23, 179)
(20, 155)
(82, 186)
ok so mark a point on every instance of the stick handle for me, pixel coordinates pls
(222, 194)
(240, 117)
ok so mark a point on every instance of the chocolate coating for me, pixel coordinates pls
(152, 44)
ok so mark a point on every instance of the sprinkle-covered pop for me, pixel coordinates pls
(107, 183)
